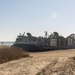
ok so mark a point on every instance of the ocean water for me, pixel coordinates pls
(7, 42)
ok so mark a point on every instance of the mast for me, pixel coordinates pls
(46, 34)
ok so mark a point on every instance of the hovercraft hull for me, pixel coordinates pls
(28, 47)
(34, 48)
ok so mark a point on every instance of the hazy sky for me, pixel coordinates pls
(36, 16)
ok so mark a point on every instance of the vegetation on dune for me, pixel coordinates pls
(12, 53)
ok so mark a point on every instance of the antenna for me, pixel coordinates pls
(24, 33)
(46, 34)
(20, 33)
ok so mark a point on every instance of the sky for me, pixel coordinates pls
(36, 17)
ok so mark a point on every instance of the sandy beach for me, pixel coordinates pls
(57, 62)
(4, 46)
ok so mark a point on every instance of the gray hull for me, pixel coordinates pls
(34, 48)
(28, 47)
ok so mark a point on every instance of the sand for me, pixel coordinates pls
(58, 62)
(4, 46)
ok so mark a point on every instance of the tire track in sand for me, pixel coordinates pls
(61, 66)
(48, 69)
